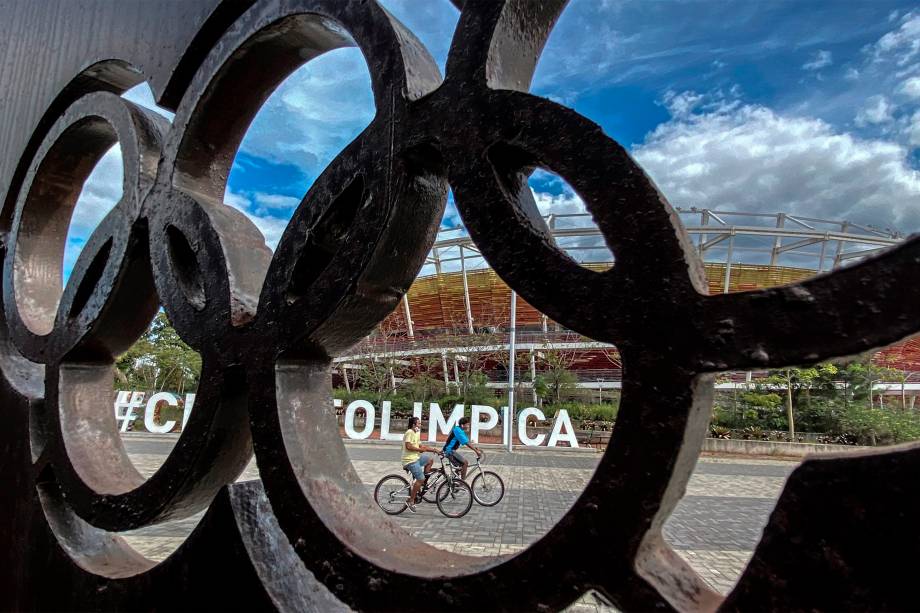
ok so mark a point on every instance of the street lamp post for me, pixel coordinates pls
(511, 371)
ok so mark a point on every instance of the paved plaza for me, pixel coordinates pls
(714, 528)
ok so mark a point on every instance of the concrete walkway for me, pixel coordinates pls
(715, 527)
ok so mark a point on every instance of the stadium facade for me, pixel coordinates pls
(458, 311)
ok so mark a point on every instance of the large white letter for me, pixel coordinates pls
(121, 399)
(436, 420)
(562, 421)
(476, 425)
(149, 423)
(129, 403)
(350, 419)
(385, 424)
(522, 427)
(189, 403)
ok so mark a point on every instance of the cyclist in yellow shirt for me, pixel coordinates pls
(414, 461)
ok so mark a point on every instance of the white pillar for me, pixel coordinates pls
(728, 264)
(844, 228)
(444, 370)
(704, 221)
(533, 375)
(821, 257)
(778, 241)
(345, 377)
(511, 370)
(466, 292)
(408, 315)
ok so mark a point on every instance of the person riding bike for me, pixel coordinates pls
(459, 435)
(413, 460)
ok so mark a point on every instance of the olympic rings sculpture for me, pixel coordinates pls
(268, 324)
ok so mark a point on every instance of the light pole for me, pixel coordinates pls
(511, 371)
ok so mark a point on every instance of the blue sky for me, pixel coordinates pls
(811, 108)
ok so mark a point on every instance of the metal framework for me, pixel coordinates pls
(740, 237)
(755, 238)
(307, 536)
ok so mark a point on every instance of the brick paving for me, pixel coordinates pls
(714, 528)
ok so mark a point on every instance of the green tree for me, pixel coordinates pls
(864, 375)
(158, 361)
(425, 386)
(378, 375)
(793, 380)
(556, 376)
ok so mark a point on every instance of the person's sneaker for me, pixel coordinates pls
(410, 506)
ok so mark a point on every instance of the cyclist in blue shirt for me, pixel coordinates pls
(459, 435)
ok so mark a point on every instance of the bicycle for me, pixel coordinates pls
(487, 487)
(452, 495)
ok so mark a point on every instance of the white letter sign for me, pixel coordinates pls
(476, 424)
(350, 419)
(129, 401)
(436, 420)
(385, 434)
(522, 427)
(562, 421)
(149, 422)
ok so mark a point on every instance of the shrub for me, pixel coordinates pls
(584, 412)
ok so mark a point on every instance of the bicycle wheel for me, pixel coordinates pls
(434, 482)
(455, 498)
(488, 488)
(391, 494)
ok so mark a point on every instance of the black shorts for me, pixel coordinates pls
(455, 458)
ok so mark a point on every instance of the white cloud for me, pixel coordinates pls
(276, 202)
(753, 159)
(913, 129)
(683, 103)
(910, 88)
(819, 60)
(451, 217)
(581, 248)
(876, 111)
(432, 21)
(101, 192)
(271, 227)
(314, 113)
(565, 203)
(236, 200)
(903, 44)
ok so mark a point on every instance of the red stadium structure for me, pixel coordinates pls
(458, 311)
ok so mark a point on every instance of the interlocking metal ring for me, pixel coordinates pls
(268, 324)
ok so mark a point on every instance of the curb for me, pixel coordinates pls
(170, 436)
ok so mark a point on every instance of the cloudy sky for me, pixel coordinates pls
(810, 108)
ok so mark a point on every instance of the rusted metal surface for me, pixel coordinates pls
(268, 324)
